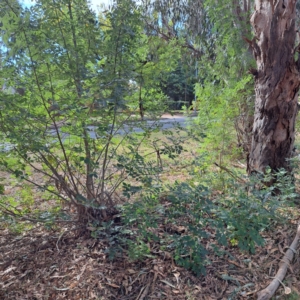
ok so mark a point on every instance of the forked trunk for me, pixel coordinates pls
(276, 84)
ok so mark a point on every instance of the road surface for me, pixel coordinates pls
(167, 121)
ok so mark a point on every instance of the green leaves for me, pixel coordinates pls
(68, 76)
(194, 220)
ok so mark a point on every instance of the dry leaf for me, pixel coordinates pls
(167, 255)
(180, 229)
(125, 282)
(168, 283)
(7, 271)
(91, 228)
(177, 277)
(287, 290)
(73, 284)
(7, 192)
(113, 285)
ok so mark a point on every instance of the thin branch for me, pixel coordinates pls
(230, 173)
(269, 291)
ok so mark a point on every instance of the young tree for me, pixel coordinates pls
(75, 70)
(277, 81)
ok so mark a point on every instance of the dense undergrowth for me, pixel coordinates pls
(198, 213)
(195, 215)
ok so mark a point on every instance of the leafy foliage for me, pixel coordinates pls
(226, 95)
(179, 86)
(192, 215)
(64, 96)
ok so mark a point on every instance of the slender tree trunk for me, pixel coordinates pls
(277, 83)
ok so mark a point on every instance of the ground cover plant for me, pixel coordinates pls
(103, 195)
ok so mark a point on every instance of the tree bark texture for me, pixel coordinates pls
(277, 83)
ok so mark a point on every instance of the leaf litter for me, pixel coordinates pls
(48, 265)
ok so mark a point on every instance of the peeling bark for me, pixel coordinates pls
(277, 82)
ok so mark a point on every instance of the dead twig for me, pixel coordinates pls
(269, 291)
(60, 236)
(241, 180)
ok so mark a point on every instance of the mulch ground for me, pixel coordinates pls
(50, 265)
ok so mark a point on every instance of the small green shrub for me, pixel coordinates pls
(137, 250)
(236, 217)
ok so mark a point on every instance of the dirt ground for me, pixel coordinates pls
(47, 264)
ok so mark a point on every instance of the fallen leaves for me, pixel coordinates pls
(54, 266)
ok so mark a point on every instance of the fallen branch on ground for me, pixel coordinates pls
(269, 291)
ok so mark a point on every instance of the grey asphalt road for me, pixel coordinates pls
(166, 122)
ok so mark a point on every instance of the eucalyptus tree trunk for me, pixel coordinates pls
(277, 81)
